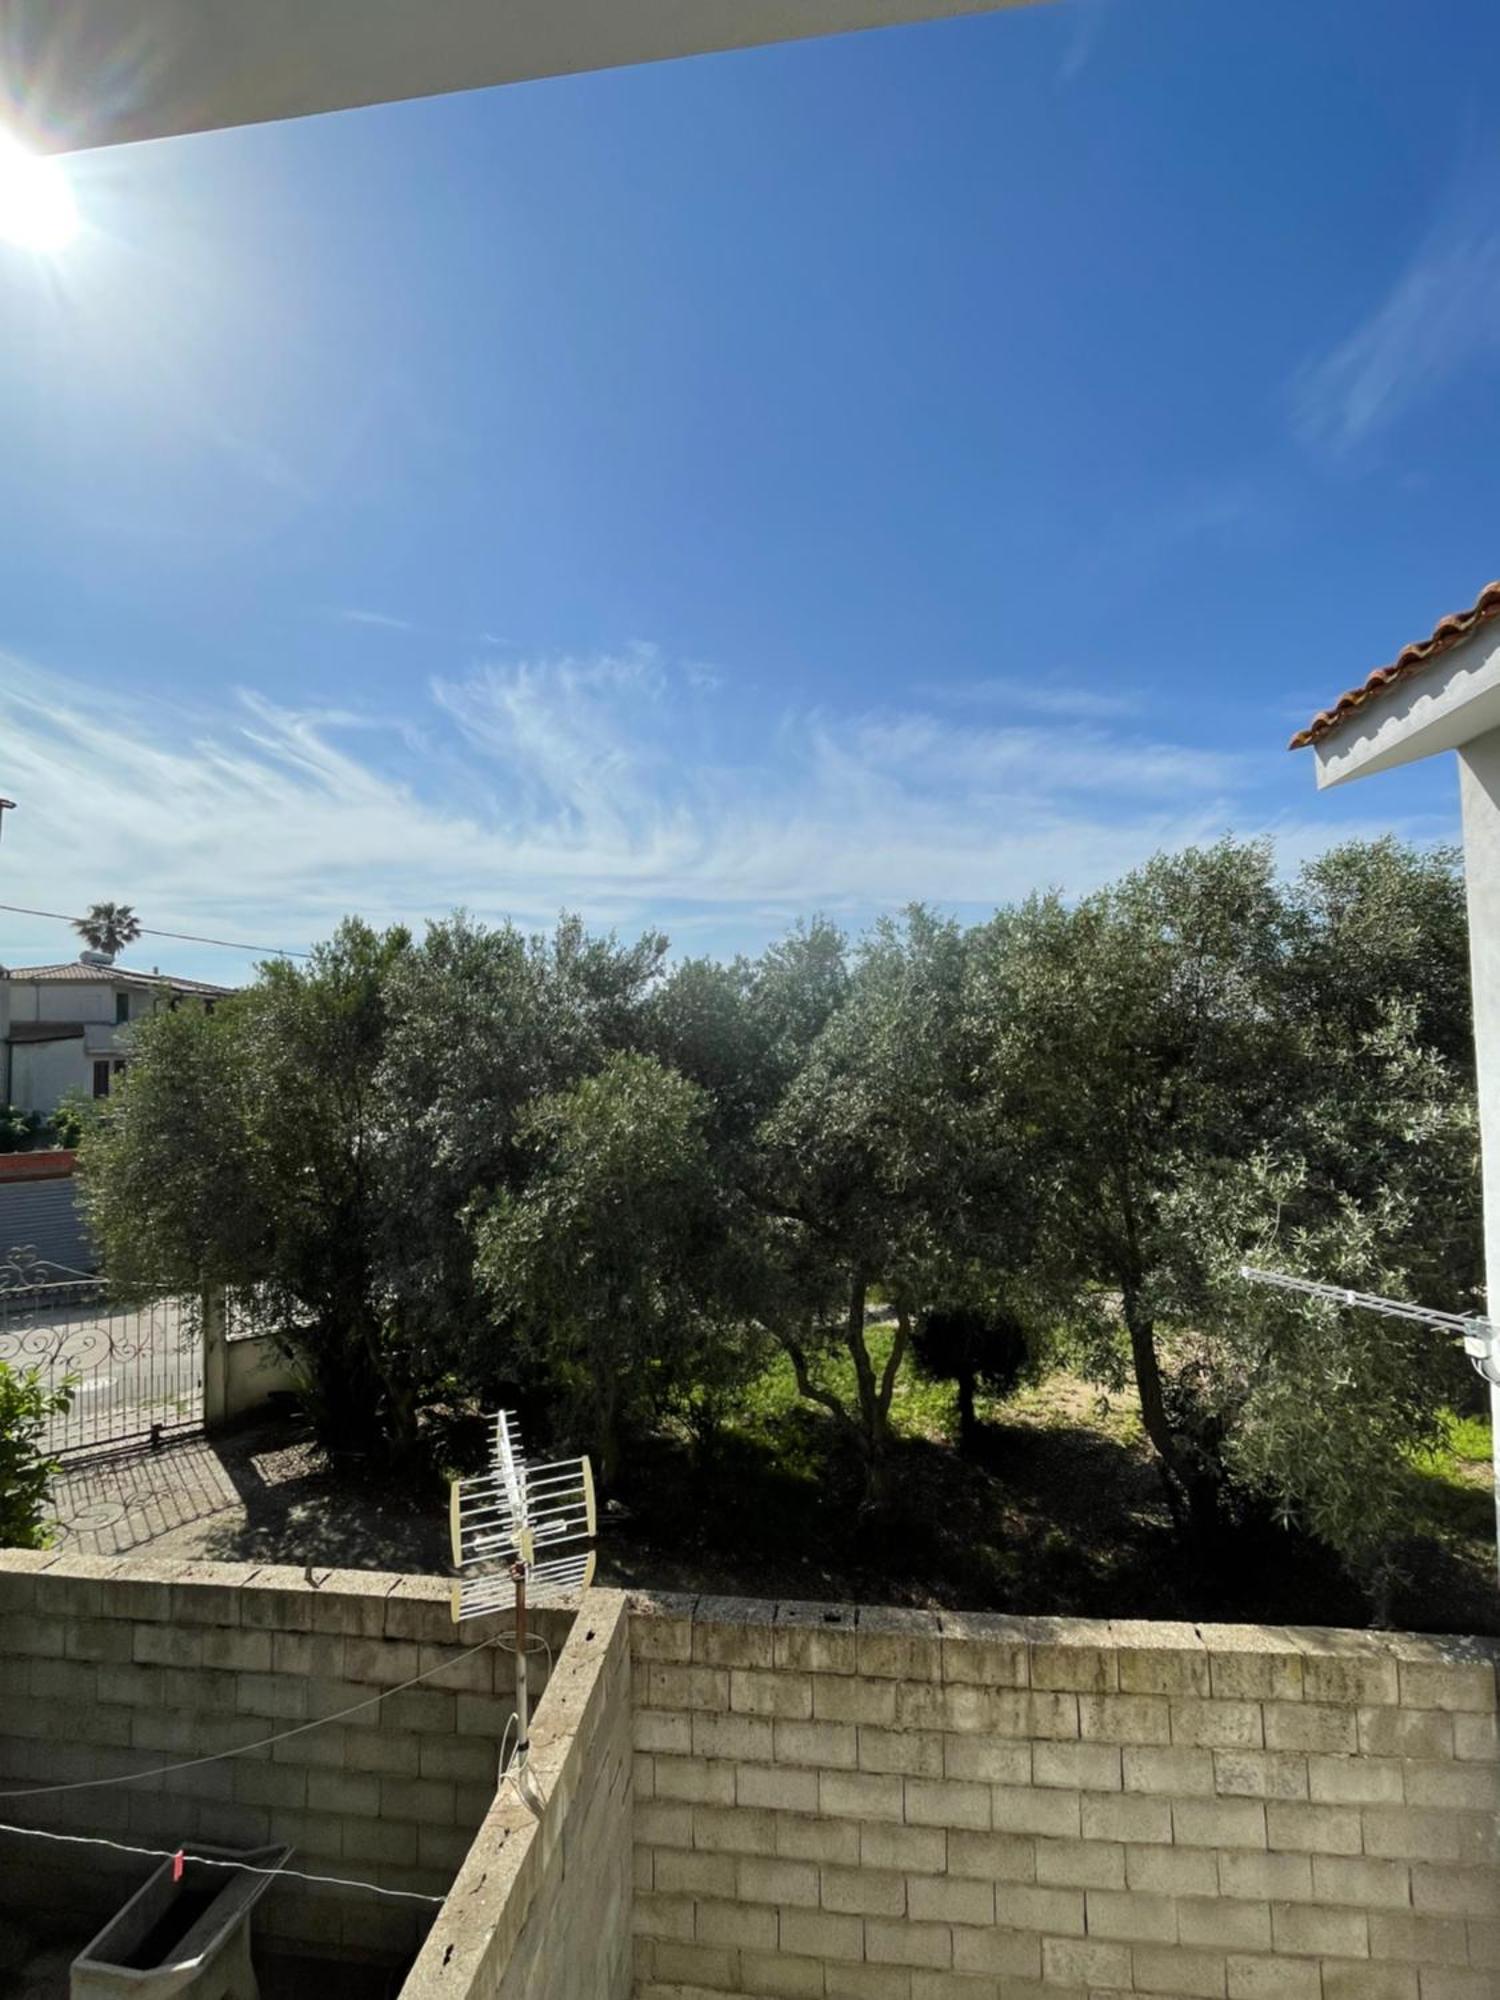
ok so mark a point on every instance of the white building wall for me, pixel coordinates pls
(43, 1073)
(69, 1000)
(1479, 769)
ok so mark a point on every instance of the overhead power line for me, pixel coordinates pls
(182, 937)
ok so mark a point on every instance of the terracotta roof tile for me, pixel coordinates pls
(111, 975)
(1410, 660)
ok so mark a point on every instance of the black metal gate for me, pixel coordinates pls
(134, 1371)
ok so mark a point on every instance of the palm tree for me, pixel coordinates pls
(108, 927)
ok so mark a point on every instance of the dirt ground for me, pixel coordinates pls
(1060, 1512)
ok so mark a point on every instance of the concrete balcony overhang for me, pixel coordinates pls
(84, 73)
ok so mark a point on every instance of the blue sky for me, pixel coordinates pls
(933, 463)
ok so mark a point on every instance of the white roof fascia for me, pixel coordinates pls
(1439, 707)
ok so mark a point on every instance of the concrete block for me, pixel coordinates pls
(1295, 1828)
(910, 1753)
(1311, 1930)
(1123, 1816)
(894, 1643)
(1080, 1864)
(736, 1924)
(804, 1838)
(745, 1738)
(788, 1697)
(1173, 1871)
(1130, 1914)
(815, 1638)
(1093, 1767)
(985, 1649)
(817, 1745)
(1086, 1963)
(1272, 1978)
(1311, 1726)
(691, 1874)
(1160, 1658)
(1236, 1823)
(1125, 1718)
(891, 1941)
(1408, 1938)
(1260, 1774)
(733, 1632)
(1265, 1878)
(776, 1787)
(1020, 1906)
(1015, 1955)
(1078, 1654)
(1218, 1725)
(1003, 1857)
(772, 1879)
(1223, 1924)
(867, 1795)
(1173, 1969)
(986, 1760)
(822, 1934)
(1366, 1882)
(869, 1892)
(913, 1850)
(695, 1780)
(946, 1802)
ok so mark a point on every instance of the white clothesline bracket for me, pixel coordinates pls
(1480, 1336)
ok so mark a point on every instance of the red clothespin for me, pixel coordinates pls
(177, 1866)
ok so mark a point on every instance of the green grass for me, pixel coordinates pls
(1452, 1488)
(920, 1408)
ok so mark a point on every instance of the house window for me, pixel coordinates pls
(101, 1079)
(122, 1008)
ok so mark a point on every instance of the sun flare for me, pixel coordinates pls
(37, 209)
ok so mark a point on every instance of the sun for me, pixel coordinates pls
(37, 209)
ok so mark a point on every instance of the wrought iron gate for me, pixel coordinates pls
(134, 1371)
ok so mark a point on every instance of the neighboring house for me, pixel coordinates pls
(64, 1029)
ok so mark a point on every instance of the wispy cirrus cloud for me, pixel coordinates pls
(618, 786)
(1439, 316)
(351, 614)
(1044, 697)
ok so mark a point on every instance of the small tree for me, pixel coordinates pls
(108, 927)
(26, 1469)
(972, 1347)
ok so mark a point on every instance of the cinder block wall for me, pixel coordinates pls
(542, 1909)
(109, 1666)
(888, 1805)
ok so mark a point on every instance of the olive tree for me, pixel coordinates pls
(605, 1264)
(244, 1150)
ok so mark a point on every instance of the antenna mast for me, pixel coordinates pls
(524, 1534)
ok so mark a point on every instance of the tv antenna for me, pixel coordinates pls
(523, 1538)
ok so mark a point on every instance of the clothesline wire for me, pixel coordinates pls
(281, 1736)
(215, 1861)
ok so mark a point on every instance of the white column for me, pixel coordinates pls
(1479, 769)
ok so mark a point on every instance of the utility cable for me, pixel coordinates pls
(182, 937)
